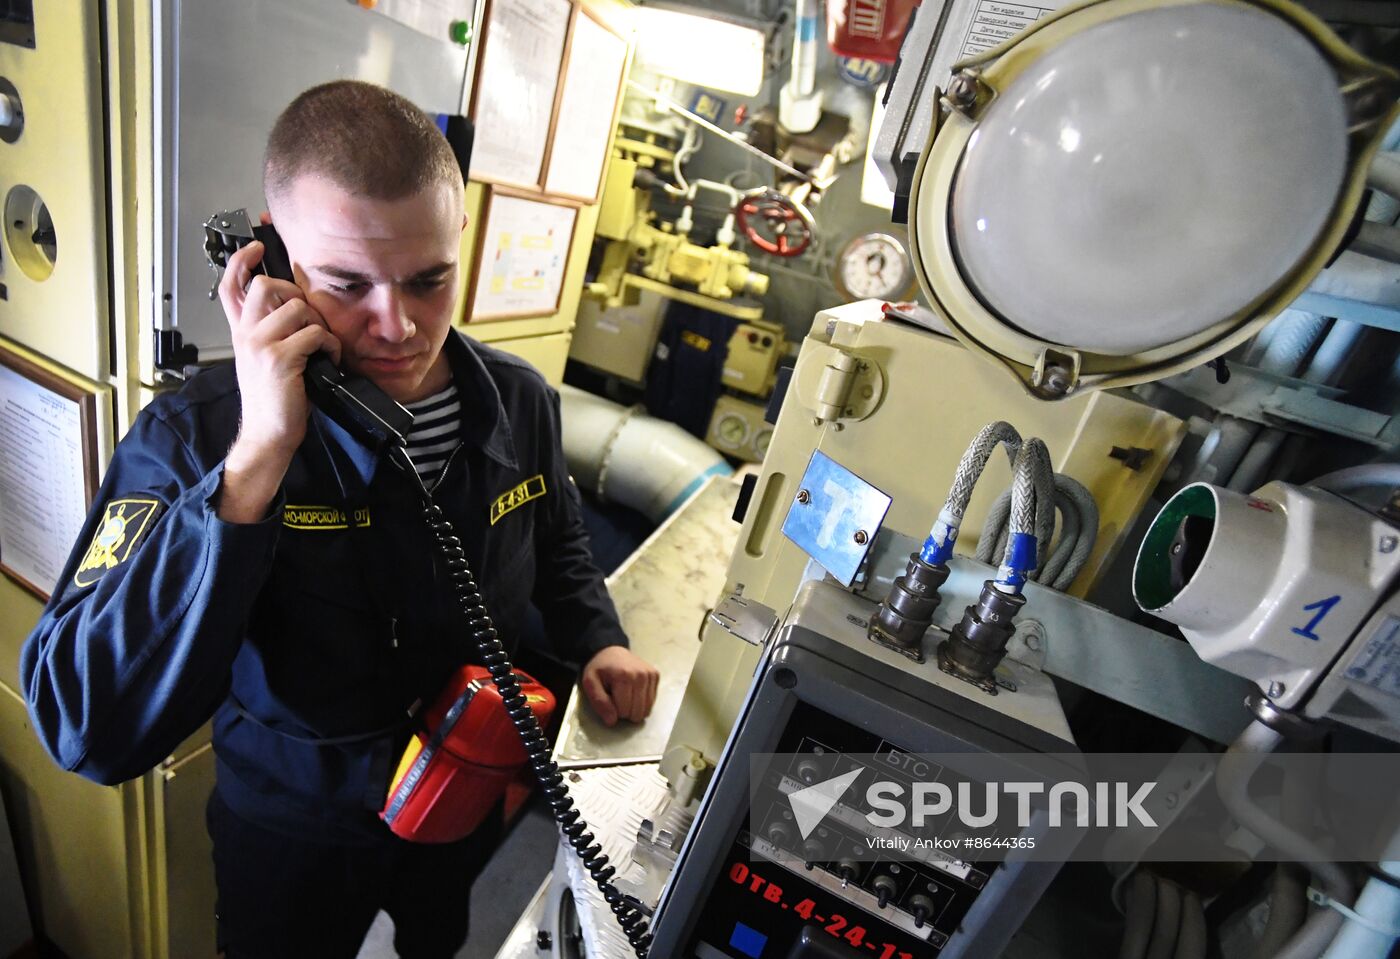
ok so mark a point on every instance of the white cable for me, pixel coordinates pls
(1237, 767)
(689, 144)
(1319, 898)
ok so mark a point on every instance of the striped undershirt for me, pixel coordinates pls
(436, 431)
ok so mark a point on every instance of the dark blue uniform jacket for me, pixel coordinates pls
(307, 636)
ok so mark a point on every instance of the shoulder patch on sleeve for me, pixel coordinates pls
(125, 522)
(532, 488)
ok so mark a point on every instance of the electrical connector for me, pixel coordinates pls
(977, 644)
(907, 612)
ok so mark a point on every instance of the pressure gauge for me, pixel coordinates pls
(761, 442)
(731, 431)
(874, 266)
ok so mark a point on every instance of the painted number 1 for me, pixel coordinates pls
(1321, 608)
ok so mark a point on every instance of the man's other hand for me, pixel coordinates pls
(619, 685)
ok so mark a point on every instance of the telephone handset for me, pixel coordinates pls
(363, 409)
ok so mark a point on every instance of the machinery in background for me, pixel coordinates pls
(803, 144)
(839, 631)
(644, 264)
(665, 259)
(739, 425)
(740, 428)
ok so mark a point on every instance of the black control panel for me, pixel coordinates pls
(774, 883)
(797, 852)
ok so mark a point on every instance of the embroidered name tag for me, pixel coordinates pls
(124, 523)
(532, 488)
(323, 517)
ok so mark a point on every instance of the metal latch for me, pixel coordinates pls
(748, 620)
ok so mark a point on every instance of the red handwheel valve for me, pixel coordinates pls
(774, 223)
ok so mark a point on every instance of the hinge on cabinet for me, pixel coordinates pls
(836, 385)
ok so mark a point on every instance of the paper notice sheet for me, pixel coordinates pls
(42, 497)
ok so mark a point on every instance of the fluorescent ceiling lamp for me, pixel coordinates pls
(1150, 177)
(699, 50)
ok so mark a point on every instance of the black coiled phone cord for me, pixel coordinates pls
(630, 916)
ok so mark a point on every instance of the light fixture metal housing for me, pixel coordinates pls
(1053, 353)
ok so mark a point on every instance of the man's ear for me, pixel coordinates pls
(465, 220)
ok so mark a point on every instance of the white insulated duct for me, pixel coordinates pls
(625, 456)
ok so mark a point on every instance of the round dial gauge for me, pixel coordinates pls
(761, 442)
(874, 265)
(732, 431)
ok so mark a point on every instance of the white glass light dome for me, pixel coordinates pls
(1150, 177)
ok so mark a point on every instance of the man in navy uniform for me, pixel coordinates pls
(248, 559)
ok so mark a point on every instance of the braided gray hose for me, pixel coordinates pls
(1088, 509)
(1024, 490)
(975, 459)
(1070, 529)
(1032, 515)
(1079, 530)
(1033, 491)
(1044, 493)
(939, 544)
(996, 532)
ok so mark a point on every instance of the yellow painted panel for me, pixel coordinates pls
(937, 396)
(21, 612)
(184, 866)
(59, 156)
(546, 353)
(620, 339)
(71, 837)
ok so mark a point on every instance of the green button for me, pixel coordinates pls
(461, 32)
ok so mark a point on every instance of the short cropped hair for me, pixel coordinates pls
(363, 138)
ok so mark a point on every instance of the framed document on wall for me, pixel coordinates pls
(516, 88)
(49, 428)
(593, 77)
(522, 255)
